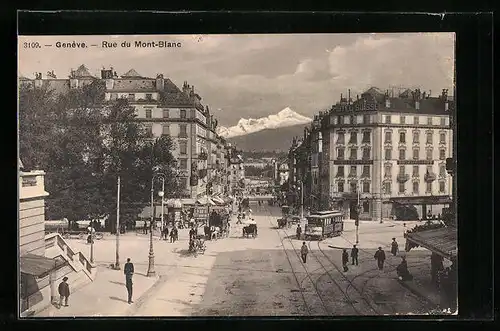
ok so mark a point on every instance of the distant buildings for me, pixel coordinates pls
(166, 110)
(392, 149)
(236, 174)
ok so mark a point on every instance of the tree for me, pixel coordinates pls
(84, 143)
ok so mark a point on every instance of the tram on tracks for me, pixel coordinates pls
(324, 224)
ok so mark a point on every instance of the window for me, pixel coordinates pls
(415, 153)
(353, 119)
(415, 171)
(183, 182)
(402, 154)
(353, 171)
(183, 130)
(366, 171)
(340, 153)
(402, 170)
(341, 119)
(388, 188)
(388, 119)
(388, 171)
(341, 139)
(340, 186)
(429, 154)
(165, 129)
(354, 154)
(428, 139)
(182, 147)
(366, 153)
(429, 120)
(183, 113)
(166, 113)
(149, 113)
(441, 187)
(149, 96)
(401, 187)
(442, 154)
(366, 137)
(415, 187)
(388, 154)
(340, 171)
(388, 137)
(415, 120)
(183, 164)
(442, 138)
(131, 97)
(354, 138)
(416, 136)
(428, 187)
(354, 187)
(149, 129)
(366, 119)
(366, 187)
(442, 170)
(193, 113)
(366, 207)
(402, 119)
(402, 137)
(442, 121)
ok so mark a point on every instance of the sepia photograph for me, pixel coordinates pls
(237, 175)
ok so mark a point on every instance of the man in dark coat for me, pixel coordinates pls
(345, 259)
(380, 257)
(354, 255)
(394, 247)
(128, 270)
(191, 233)
(63, 292)
(299, 232)
(303, 252)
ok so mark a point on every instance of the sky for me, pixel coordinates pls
(252, 76)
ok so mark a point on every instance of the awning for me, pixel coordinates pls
(37, 265)
(205, 201)
(442, 241)
(218, 200)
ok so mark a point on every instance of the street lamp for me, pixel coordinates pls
(151, 261)
(358, 210)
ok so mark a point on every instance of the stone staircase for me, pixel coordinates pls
(79, 270)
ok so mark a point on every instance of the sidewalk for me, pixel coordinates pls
(106, 296)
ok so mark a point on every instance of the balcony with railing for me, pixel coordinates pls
(402, 178)
(429, 177)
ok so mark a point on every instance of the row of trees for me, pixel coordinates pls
(83, 143)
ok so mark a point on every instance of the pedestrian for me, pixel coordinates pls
(63, 292)
(345, 259)
(303, 252)
(172, 235)
(380, 257)
(164, 234)
(354, 255)
(145, 228)
(299, 232)
(128, 270)
(394, 247)
(191, 233)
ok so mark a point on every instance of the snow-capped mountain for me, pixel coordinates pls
(286, 117)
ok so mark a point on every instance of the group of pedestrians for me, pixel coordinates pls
(174, 234)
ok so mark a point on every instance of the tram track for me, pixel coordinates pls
(308, 306)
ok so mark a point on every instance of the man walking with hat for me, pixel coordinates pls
(63, 292)
(128, 270)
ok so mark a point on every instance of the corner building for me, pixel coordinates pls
(392, 149)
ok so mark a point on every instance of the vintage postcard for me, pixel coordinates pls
(237, 175)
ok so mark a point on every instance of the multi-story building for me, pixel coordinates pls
(236, 173)
(390, 149)
(166, 110)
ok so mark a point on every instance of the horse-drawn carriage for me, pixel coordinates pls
(283, 222)
(250, 229)
(197, 244)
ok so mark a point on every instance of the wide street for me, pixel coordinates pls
(263, 276)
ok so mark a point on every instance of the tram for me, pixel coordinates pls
(323, 224)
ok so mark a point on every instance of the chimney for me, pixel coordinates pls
(416, 96)
(387, 102)
(349, 96)
(160, 82)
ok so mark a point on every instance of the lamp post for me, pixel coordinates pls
(161, 195)
(151, 260)
(358, 210)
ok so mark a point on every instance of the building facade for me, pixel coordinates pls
(165, 109)
(236, 174)
(383, 150)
